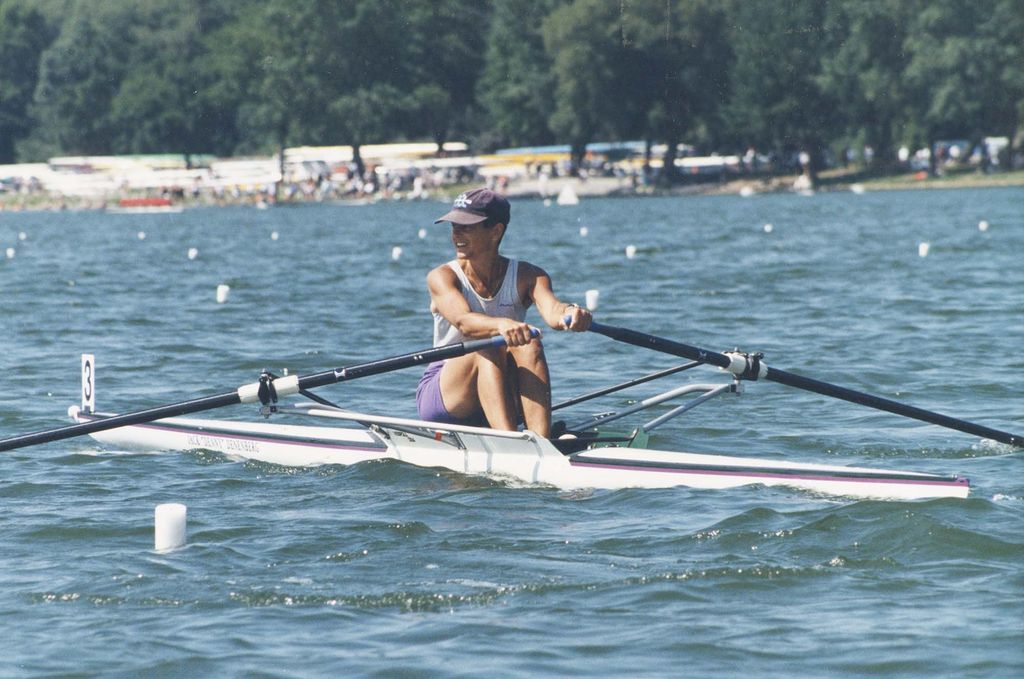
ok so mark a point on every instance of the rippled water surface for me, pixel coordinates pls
(385, 569)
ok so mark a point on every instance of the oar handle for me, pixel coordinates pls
(404, 361)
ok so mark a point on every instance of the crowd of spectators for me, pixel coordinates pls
(352, 182)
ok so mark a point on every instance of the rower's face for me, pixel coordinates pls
(474, 238)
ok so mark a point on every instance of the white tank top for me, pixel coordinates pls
(505, 304)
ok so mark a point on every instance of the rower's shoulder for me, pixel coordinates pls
(444, 269)
(442, 275)
(530, 271)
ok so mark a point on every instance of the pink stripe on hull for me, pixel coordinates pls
(318, 443)
(959, 481)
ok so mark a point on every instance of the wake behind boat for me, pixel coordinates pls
(583, 454)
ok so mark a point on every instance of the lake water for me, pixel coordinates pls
(383, 569)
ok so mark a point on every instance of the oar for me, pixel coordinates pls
(267, 390)
(751, 367)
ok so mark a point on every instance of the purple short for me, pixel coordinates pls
(430, 405)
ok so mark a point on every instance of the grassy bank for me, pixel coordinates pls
(843, 179)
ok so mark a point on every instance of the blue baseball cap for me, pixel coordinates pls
(473, 207)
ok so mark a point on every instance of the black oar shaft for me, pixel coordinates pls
(232, 398)
(790, 379)
(888, 405)
(83, 428)
(661, 344)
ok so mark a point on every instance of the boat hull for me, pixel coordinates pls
(517, 455)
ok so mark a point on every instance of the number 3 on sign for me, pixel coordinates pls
(88, 383)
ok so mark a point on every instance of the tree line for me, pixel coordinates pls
(231, 77)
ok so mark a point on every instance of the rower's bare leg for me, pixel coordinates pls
(534, 384)
(478, 382)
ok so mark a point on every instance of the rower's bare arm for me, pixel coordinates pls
(553, 310)
(446, 298)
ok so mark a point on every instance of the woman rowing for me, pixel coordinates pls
(479, 294)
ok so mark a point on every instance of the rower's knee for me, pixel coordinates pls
(491, 358)
(528, 354)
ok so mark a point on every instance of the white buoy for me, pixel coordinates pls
(567, 196)
(630, 251)
(169, 526)
(141, 235)
(193, 253)
(768, 228)
(983, 225)
(273, 235)
(857, 188)
(22, 235)
(592, 297)
(746, 192)
(547, 202)
(10, 253)
(396, 253)
(584, 231)
(223, 291)
(923, 248)
(422, 233)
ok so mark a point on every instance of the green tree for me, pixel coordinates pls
(778, 101)
(680, 59)
(24, 35)
(164, 103)
(231, 76)
(431, 110)
(366, 116)
(363, 74)
(584, 42)
(864, 73)
(288, 100)
(965, 69)
(1004, 25)
(647, 67)
(129, 78)
(517, 86)
(79, 77)
(443, 57)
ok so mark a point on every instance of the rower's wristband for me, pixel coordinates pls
(572, 305)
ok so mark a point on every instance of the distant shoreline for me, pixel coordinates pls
(835, 180)
(549, 189)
